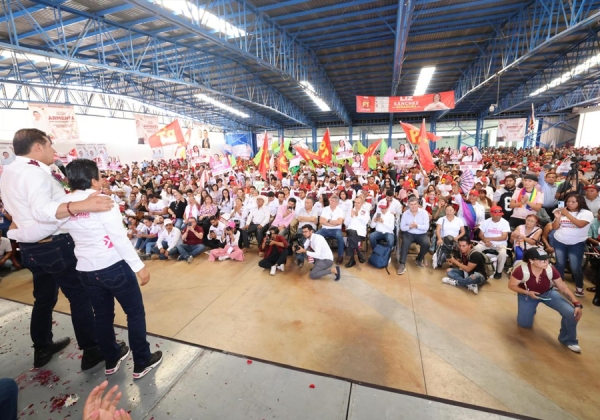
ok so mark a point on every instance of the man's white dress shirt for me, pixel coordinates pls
(321, 250)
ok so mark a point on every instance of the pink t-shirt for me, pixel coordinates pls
(524, 211)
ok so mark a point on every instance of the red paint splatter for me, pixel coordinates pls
(58, 402)
(249, 362)
(28, 407)
(311, 386)
(157, 345)
(46, 377)
(66, 382)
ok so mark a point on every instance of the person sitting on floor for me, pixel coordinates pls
(168, 240)
(276, 251)
(230, 249)
(215, 233)
(316, 246)
(192, 238)
(469, 271)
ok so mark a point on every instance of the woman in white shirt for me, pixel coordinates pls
(226, 204)
(345, 204)
(107, 264)
(571, 225)
(449, 225)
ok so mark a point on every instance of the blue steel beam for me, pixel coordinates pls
(326, 19)
(534, 28)
(573, 61)
(279, 5)
(319, 10)
(173, 67)
(405, 13)
(282, 55)
(19, 13)
(588, 94)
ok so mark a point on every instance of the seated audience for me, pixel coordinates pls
(413, 227)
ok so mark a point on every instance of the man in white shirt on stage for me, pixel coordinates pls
(107, 265)
(32, 196)
(323, 264)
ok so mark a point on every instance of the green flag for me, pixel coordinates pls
(383, 148)
(360, 148)
(257, 157)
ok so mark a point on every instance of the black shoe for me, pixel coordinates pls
(591, 289)
(42, 356)
(139, 371)
(338, 274)
(596, 301)
(361, 257)
(91, 358)
(351, 263)
(498, 276)
(113, 367)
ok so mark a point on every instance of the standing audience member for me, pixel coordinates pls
(316, 247)
(525, 201)
(107, 266)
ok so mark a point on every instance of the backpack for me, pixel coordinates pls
(380, 258)
(490, 270)
(527, 274)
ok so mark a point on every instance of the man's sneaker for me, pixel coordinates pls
(579, 292)
(421, 264)
(139, 371)
(473, 288)
(190, 259)
(498, 276)
(224, 257)
(113, 367)
(401, 269)
(180, 258)
(42, 356)
(281, 267)
(273, 270)
(91, 358)
(449, 281)
(574, 348)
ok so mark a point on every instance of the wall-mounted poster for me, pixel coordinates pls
(57, 121)
(511, 130)
(145, 126)
(7, 155)
(432, 102)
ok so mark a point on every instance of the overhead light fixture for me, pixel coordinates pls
(424, 79)
(565, 77)
(221, 105)
(310, 91)
(201, 16)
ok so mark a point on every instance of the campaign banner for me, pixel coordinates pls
(454, 162)
(431, 102)
(360, 171)
(220, 165)
(57, 121)
(341, 155)
(471, 166)
(239, 145)
(511, 130)
(8, 155)
(145, 126)
(404, 161)
(169, 135)
(96, 152)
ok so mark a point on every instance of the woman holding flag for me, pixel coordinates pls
(525, 201)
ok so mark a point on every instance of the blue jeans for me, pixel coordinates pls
(165, 245)
(53, 265)
(568, 325)
(8, 399)
(574, 253)
(178, 223)
(334, 233)
(377, 236)
(149, 244)
(462, 279)
(407, 239)
(194, 250)
(103, 286)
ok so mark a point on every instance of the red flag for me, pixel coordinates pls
(167, 136)
(412, 134)
(324, 151)
(282, 162)
(424, 152)
(370, 151)
(307, 155)
(263, 166)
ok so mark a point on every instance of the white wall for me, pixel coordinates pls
(588, 132)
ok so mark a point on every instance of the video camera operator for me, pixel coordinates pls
(276, 250)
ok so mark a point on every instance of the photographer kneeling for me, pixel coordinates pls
(276, 250)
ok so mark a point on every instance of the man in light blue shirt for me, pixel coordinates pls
(549, 186)
(414, 226)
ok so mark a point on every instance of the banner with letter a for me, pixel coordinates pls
(57, 121)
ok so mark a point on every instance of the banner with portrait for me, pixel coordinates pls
(239, 145)
(380, 104)
(511, 130)
(145, 126)
(8, 155)
(219, 164)
(57, 121)
(98, 153)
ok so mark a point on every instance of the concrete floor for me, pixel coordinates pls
(408, 332)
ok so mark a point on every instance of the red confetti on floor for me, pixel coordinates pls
(311, 386)
(249, 362)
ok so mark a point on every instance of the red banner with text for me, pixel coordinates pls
(431, 102)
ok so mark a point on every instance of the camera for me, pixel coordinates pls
(296, 247)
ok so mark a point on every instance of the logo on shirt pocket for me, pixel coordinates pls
(107, 242)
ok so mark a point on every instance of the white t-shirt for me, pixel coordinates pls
(491, 229)
(5, 246)
(329, 214)
(451, 228)
(568, 233)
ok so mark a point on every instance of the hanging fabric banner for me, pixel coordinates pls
(57, 121)
(431, 102)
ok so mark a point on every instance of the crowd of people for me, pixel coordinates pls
(517, 210)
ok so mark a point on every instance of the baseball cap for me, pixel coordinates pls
(474, 192)
(535, 254)
(168, 222)
(592, 187)
(496, 209)
(383, 205)
(262, 197)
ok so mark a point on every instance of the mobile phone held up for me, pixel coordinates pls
(561, 204)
